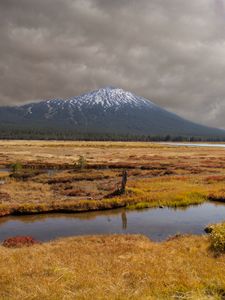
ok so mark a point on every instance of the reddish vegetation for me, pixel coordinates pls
(74, 193)
(4, 196)
(20, 241)
(215, 178)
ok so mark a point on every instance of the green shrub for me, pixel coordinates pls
(81, 163)
(16, 167)
(217, 237)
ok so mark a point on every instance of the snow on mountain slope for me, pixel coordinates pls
(104, 98)
(109, 97)
(105, 111)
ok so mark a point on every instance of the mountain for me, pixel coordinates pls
(105, 111)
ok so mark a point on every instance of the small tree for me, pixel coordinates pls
(81, 163)
(17, 167)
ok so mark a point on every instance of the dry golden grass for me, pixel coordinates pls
(3, 174)
(113, 267)
(104, 153)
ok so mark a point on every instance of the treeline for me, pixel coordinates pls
(52, 134)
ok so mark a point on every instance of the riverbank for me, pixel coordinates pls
(113, 267)
(64, 194)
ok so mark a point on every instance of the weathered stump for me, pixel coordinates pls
(124, 182)
(122, 189)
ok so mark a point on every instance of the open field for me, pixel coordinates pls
(158, 175)
(113, 267)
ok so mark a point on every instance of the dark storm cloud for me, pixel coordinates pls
(172, 52)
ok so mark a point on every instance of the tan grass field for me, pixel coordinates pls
(116, 266)
(113, 267)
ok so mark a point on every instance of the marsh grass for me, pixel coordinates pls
(113, 267)
(158, 175)
(72, 193)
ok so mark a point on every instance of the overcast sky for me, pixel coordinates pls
(172, 52)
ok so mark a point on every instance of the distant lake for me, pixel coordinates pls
(158, 224)
(195, 145)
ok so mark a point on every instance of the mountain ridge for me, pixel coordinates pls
(109, 110)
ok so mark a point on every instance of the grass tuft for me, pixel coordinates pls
(217, 237)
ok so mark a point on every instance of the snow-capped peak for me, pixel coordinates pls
(107, 97)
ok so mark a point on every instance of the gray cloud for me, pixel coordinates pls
(172, 52)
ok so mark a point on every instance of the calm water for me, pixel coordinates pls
(5, 170)
(196, 145)
(158, 224)
(48, 171)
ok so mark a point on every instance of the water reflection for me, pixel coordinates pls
(124, 220)
(158, 224)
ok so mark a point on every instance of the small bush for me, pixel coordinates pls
(17, 167)
(217, 237)
(81, 163)
(19, 241)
